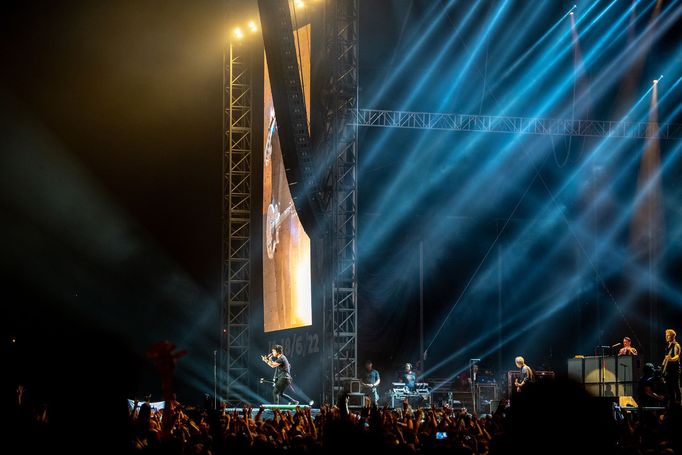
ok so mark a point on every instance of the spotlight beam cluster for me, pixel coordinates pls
(606, 243)
(612, 146)
(616, 256)
(492, 165)
(497, 164)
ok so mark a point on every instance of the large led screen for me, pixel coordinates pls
(286, 246)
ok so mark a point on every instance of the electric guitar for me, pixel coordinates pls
(664, 365)
(666, 359)
(272, 127)
(518, 385)
(273, 221)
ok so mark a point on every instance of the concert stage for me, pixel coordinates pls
(269, 410)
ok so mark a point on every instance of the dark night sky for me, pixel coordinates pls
(111, 174)
(130, 92)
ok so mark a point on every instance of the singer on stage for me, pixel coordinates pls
(282, 377)
(627, 349)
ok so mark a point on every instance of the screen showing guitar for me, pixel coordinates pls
(287, 296)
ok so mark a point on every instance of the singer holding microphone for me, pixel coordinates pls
(282, 377)
(626, 349)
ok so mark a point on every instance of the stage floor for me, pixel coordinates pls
(268, 413)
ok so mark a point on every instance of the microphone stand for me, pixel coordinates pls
(625, 378)
(215, 379)
(474, 388)
(602, 369)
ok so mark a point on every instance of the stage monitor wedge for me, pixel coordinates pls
(290, 109)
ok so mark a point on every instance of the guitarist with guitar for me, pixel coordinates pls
(370, 383)
(282, 377)
(671, 367)
(526, 374)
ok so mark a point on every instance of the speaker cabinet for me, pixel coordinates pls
(356, 400)
(354, 386)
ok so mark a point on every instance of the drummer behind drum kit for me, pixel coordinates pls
(419, 397)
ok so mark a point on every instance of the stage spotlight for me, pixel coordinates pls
(238, 33)
(299, 3)
(252, 26)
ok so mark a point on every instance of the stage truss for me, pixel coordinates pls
(237, 185)
(341, 151)
(514, 125)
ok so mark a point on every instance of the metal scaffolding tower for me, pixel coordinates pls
(236, 265)
(341, 147)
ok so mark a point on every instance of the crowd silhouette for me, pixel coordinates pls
(552, 417)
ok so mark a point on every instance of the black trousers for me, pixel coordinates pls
(278, 390)
(672, 384)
